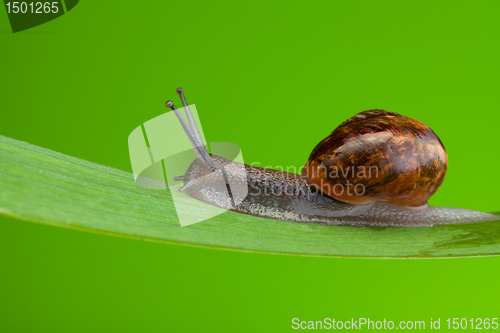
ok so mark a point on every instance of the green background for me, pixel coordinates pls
(275, 78)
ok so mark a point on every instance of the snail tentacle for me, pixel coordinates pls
(198, 147)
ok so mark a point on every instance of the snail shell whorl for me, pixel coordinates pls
(381, 154)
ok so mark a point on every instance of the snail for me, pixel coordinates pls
(377, 168)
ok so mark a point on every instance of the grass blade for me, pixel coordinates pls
(44, 186)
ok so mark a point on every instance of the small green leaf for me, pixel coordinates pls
(43, 186)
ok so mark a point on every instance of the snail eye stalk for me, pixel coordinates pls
(189, 116)
(197, 144)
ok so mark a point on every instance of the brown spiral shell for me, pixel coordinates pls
(379, 155)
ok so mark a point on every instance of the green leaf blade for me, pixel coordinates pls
(43, 186)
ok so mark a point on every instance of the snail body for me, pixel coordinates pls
(287, 196)
(409, 158)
